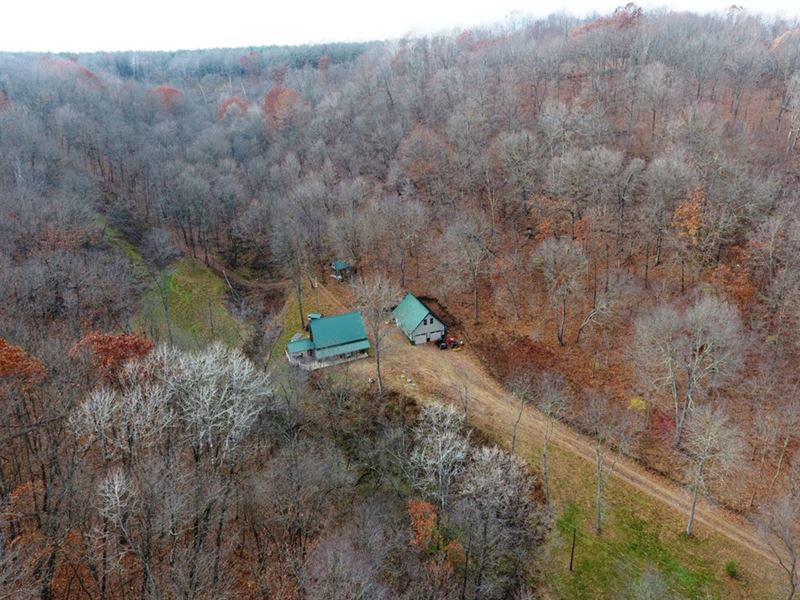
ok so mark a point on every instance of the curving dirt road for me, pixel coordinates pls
(422, 371)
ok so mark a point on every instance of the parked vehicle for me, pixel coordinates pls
(450, 343)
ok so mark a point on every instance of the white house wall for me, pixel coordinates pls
(427, 331)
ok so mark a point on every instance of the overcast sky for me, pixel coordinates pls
(89, 25)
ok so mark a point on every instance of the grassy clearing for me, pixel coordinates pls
(195, 295)
(197, 308)
(639, 532)
(314, 300)
(115, 238)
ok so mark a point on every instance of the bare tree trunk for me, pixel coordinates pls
(104, 564)
(780, 464)
(683, 275)
(679, 425)
(516, 424)
(562, 322)
(598, 504)
(218, 537)
(481, 565)
(659, 238)
(653, 124)
(378, 367)
(683, 412)
(511, 294)
(164, 292)
(475, 295)
(545, 464)
(695, 493)
(588, 319)
(467, 553)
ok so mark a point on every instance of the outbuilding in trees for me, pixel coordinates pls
(417, 321)
(341, 270)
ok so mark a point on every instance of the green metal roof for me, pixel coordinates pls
(300, 345)
(340, 265)
(410, 312)
(342, 349)
(337, 330)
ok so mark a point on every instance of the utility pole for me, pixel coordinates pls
(572, 552)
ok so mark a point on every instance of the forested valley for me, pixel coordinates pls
(604, 209)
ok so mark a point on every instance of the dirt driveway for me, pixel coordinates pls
(425, 371)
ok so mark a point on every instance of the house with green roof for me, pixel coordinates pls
(417, 321)
(332, 340)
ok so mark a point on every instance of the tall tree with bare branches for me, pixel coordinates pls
(376, 296)
(780, 530)
(685, 353)
(611, 429)
(715, 446)
(563, 264)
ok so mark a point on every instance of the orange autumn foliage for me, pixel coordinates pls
(429, 538)
(72, 68)
(424, 154)
(230, 102)
(735, 281)
(581, 229)
(687, 218)
(18, 508)
(466, 41)
(15, 362)
(454, 551)
(168, 96)
(544, 230)
(111, 350)
(61, 237)
(624, 17)
(735, 277)
(423, 524)
(440, 570)
(277, 104)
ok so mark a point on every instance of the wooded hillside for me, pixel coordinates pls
(606, 211)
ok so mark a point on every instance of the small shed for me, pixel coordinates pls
(341, 270)
(417, 321)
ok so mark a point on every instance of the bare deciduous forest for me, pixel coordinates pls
(605, 210)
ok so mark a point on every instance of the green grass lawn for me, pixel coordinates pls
(197, 308)
(606, 564)
(313, 301)
(639, 533)
(196, 298)
(115, 238)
